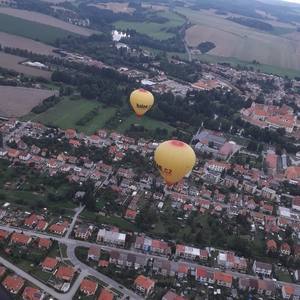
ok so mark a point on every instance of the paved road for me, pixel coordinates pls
(78, 212)
(74, 243)
(100, 276)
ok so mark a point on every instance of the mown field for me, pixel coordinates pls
(14, 41)
(32, 30)
(67, 112)
(46, 20)
(18, 101)
(237, 41)
(12, 62)
(157, 31)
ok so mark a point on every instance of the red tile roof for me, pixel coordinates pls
(20, 238)
(65, 273)
(144, 282)
(106, 295)
(44, 243)
(201, 272)
(103, 263)
(41, 225)
(172, 296)
(49, 263)
(3, 234)
(223, 277)
(31, 293)
(88, 286)
(13, 283)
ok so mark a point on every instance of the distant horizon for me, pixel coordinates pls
(292, 1)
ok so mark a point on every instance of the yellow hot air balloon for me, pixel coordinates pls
(141, 101)
(174, 159)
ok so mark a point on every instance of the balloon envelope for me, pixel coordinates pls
(174, 159)
(141, 101)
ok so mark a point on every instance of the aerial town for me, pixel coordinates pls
(87, 210)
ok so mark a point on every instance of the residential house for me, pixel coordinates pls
(4, 234)
(65, 273)
(31, 293)
(223, 279)
(13, 283)
(172, 296)
(49, 264)
(58, 228)
(230, 181)
(41, 225)
(191, 252)
(290, 292)
(262, 268)
(111, 237)
(268, 193)
(88, 287)
(296, 203)
(285, 249)
(20, 239)
(44, 243)
(144, 284)
(265, 287)
(249, 187)
(271, 246)
(230, 261)
(94, 253)
(201, 274)
(83, 232)
(106, 295)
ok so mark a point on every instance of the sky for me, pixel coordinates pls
(292, 1)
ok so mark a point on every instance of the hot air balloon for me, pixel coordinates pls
(174, 159)
(141, 101)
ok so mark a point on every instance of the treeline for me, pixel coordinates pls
(257, 24)
(45, 105)
(88, 117)
(206, 47)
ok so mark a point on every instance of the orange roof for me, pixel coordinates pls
(74, 142)
(286, 247)
(31, 293)
(65, 273)
(49, 263)
(289, 289)
(88, 286)
(131, 214)
(144, 282)
(106, 295)
(271, 160)
(58, 228)
(20, 238)
(292, 172)
(3, 234)
(271, 244)
(41, 225)
(172, 296)
(103, 263)
(44, 243)
(201, 272)
(70, 132)
(220, 276)
(183, 268)
(13, 153)
(180, 248)
(13, 283)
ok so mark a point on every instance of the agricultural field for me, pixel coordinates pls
(31, 30)
(18, 101)
(116, 7)
(42, 19)
(68, 112)
(157, 31)
(12, 62)
(13, 41)
(268, 69)
(233, 40)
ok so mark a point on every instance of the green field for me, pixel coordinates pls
(263, 68)
(67, 112)
(157, 31)
(147, 122)
(33, 30)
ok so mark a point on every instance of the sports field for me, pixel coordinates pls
(157, 31)
(67, 112)
(237, 41)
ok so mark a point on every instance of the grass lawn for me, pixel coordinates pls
(157, 31)
(111, 220)
(67, 112)
(263, 68)
(41, 275)
(33, 30)
(145, 121)
(284, 276)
